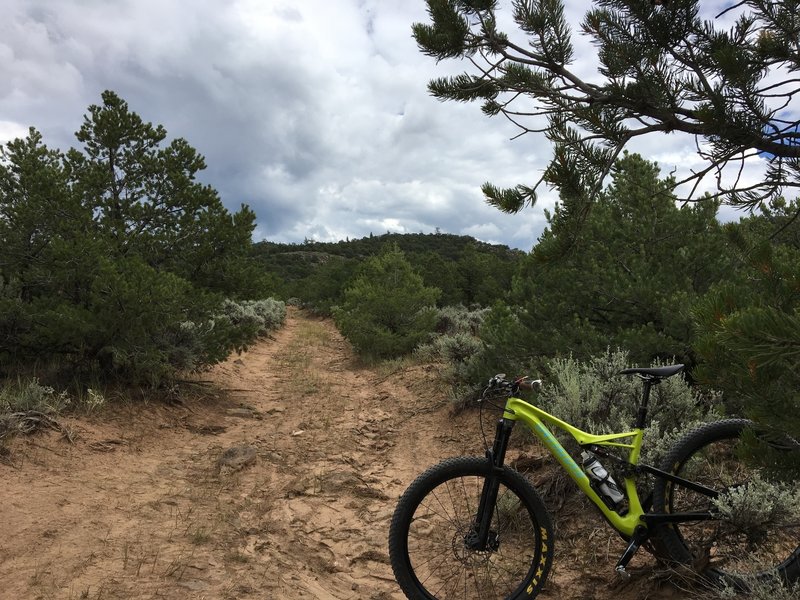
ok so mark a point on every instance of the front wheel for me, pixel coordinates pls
(430, 536)
(755, 538)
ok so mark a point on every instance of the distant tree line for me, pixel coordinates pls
(466, 271)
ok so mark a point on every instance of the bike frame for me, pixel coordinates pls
(636, 525)
(535, 418)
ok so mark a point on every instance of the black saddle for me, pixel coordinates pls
(654, 372)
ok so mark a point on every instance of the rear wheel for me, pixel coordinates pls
(736, 548)
(431, 539)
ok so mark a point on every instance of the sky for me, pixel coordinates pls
(315, 113)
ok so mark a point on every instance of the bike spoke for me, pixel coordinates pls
(444, 560)
(437, 555)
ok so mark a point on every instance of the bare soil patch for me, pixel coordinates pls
(278, 481)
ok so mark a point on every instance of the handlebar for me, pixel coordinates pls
(500, 383)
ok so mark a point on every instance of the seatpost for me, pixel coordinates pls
(641, 417)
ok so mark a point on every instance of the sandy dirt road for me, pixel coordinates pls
(139, 506)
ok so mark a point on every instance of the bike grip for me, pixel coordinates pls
(529, 384)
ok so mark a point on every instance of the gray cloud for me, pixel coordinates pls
(314, 113)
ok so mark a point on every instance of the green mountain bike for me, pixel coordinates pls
(472, 527)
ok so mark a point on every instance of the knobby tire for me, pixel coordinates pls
(720, 552)
(427, 546)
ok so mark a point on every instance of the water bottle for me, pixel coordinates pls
(608, 487)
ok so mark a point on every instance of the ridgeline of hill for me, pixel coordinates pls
(447, 245)
(467, 271)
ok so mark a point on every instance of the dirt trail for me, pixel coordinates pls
(138, 506)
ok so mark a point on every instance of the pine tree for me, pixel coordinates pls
(726, 80)
(662, 68)
(148, 201)
(628, 280)
(115, 260)
(749, 325)
(386, 310)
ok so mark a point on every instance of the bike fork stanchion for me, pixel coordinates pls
(478, 538)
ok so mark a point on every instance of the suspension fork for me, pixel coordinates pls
(478, 538)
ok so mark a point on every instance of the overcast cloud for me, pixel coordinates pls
(313, 112)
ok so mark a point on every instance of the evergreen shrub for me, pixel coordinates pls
(501, 335)
(771, 588)
(756, 503)
(387, 311)
(459, 319)
(235, 325)
(455, 350)
(257, 316)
